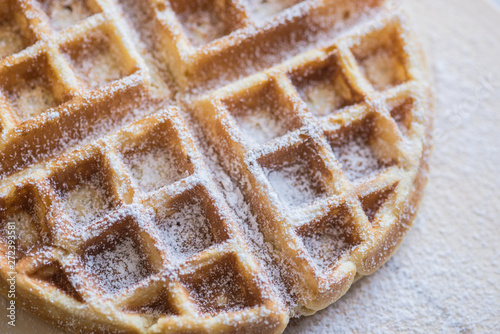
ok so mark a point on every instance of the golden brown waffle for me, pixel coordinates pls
(204, 166)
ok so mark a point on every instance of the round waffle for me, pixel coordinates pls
(204, 166)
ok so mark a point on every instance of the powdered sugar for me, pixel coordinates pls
(26, 231)
(295, 183)
(202, 23)
(98, 61)
(260, 126)
(11, 38)
(322, 98)
(329, 241)
(357, 159)
(66, 13)
(155, 168)
(32, 99)
(86, 203)
(222, 290)
(383, 69)
(118, 266)
(262, 9)
(443, 278)
(186, 231)
(325, 91)
(29, 88)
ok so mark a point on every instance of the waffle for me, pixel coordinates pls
(204, 166)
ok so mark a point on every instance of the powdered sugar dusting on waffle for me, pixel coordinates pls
(260, 126)
(155, 168)
(321, 98)
(217, 200)
(97, 60)
(86, 203)
(32, 100)
(65, 13)
(221, 290)
(27, 235)
(357, 159)
(187, 231)
(262, 9)
(117, 267)
(11, 40)
(303, 168)
(234, 195)
(201, 21)
(325, 248)
(295, 184)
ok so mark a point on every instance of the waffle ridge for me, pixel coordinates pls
(204, 166)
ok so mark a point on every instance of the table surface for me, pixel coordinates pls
(446, 276)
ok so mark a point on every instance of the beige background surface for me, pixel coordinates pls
(446, 276)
